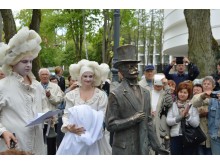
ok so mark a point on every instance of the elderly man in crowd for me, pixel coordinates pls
(54, 96)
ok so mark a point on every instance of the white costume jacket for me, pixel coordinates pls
(19, 103)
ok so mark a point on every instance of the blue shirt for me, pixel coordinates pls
(214, 118)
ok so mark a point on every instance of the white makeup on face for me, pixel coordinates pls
(24, 66)
(87, 78)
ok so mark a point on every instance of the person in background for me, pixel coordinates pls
(176, 114)
(181, 76)
(62, 84)
(129, 110)
(216, 77)
(21, 96)
(54, 96)
(53, 92)
(214, 122)
(89, 75)
(53, 79)
(73, 84)
(61, 80)
(161, 101)
(105, 86)
(172, 86)
(197, 88)
(2, 75)
(147, 82)
(202, 101)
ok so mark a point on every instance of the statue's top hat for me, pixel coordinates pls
(126, 54)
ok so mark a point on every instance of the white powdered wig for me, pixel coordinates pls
(105, 71)
(100, 71)
(25, 43)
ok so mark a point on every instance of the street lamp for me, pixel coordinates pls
(116, 43)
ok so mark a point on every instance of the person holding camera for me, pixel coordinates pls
(181, 76)
(202, 103)
(209, 117)
(216, 77)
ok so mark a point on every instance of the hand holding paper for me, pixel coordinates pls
(41, 117)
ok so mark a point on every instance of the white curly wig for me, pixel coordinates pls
(25, 43)
(100, 71)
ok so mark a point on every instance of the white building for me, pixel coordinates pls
(176, 32)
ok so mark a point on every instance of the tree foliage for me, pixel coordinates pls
(69, 34)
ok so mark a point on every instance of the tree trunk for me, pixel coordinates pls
(9, 24)
(200, 40)
(151, 38)
(35, 25)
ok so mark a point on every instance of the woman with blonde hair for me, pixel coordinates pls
(89, 75)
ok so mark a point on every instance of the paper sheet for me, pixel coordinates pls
(41, 117)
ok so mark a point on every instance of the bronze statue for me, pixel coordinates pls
(128, 112)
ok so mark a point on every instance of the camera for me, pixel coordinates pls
(214, 94)
(179, 60)
(12, 143)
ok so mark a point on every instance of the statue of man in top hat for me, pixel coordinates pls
(128, 112)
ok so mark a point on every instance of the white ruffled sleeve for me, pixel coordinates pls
(69, 99)
(2, 104)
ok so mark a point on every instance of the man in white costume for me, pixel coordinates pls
(21, 96)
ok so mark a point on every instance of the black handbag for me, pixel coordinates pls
(192, 136)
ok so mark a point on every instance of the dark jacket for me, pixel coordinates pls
(61, 83)
(216, 77)
(130, 138)
(193, 72)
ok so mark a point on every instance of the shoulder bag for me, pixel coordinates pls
(192, 136)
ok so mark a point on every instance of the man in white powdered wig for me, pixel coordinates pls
(21, 96)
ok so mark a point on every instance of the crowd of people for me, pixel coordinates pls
(132, 117)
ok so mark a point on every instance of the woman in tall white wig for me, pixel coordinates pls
(87, 132)
(21, 96)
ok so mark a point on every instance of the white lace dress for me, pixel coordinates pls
(98, 102)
